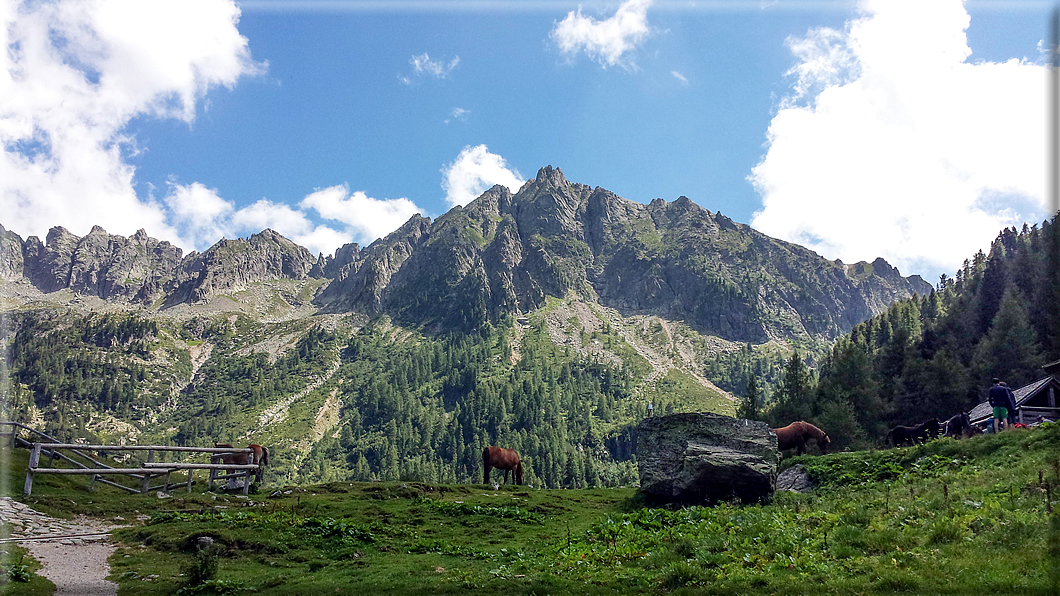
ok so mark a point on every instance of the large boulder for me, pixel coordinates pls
(699, 458)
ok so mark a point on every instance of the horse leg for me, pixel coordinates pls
(506, 476)
(486, 474)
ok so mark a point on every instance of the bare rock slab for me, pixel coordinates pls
(701, 458)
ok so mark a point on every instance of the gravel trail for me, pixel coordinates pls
(73, 553)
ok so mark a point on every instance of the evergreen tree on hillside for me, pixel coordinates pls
(847, 377)
(1009, 351)
(795, 393)
(751, 404)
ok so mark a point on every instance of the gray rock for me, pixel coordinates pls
(796, 480)
(701, 458)
(11, 261)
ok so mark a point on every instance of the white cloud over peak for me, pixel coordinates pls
(73, 74)
(893, 144)
(363, 217)
(475, 171)
(201, 217)
(607, 41)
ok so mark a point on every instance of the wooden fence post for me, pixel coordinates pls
(145, 482)
(34, 459)
(213, 472)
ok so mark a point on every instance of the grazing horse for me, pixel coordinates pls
(958, 426)
(796, 434)
(928, 429)
(260, 457)
(502, 459)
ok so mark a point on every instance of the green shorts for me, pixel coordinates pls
(1000, 413)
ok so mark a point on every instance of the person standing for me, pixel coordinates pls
(999, 399)
(1011, 405)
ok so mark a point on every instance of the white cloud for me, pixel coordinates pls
(73, 74)
(364, 218)
(457, 114)
(679, 76)
(893, 144)
(475, 171)
(422, 65)
(606, 41)
(200, 216)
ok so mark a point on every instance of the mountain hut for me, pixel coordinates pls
(1032, 400)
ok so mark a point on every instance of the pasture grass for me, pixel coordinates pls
(949, 517)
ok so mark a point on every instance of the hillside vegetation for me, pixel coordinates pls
(948, 517)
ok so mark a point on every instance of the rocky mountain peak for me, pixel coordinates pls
(551, 177)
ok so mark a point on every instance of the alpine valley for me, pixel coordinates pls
(549, 320)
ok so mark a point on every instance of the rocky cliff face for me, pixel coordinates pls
(499, 255)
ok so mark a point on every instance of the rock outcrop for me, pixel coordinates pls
(702, 458)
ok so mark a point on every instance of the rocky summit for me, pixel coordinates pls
(502, 254)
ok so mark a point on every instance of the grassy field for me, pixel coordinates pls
(949, 517)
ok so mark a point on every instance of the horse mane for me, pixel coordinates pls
(813, 430)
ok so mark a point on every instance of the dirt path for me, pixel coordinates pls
(73, 553)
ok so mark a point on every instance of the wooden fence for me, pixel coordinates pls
(149, 469)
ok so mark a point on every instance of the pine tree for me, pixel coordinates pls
(794, 395)
(1010, 350)
(749, 407)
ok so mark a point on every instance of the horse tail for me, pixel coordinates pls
(264, 455)
(519, 473)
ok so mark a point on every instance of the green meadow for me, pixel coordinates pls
(948, 517)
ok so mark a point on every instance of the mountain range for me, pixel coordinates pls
(501, 255)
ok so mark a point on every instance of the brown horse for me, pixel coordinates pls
(502, 459)
(259, 457)
(796, 434)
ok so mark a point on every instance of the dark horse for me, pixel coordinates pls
(502, 459)
(958, 426)
(260, 457)
(796, 434)
(928, 429)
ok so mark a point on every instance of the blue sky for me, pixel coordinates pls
(908, 130)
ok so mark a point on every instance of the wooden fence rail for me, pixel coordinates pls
(144, 473)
